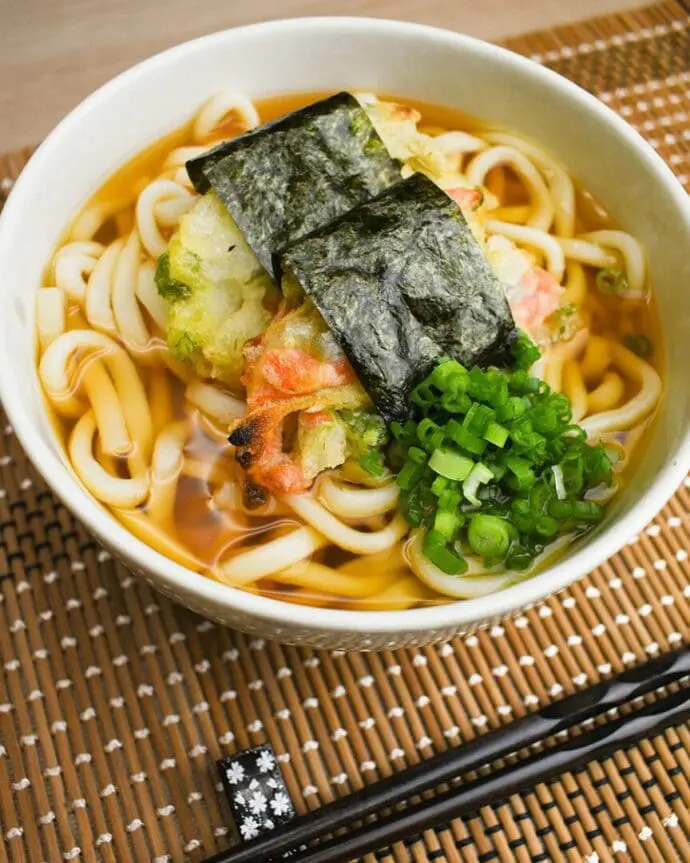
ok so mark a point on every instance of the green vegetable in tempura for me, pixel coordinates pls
(215, 290)
(366, 437)
(321, 442)
(326, 439)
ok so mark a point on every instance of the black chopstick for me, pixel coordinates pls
(467, 800)
(433, 772)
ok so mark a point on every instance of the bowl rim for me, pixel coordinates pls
(454, 614)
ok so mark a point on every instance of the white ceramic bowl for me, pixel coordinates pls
(330, 54)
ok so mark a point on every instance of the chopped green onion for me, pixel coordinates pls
(450, 464)
(566, 311)
(638, 344)
(514, 407)
(372, 462)
(557, 471)
(573, 474)
(409, 475)
(479, 475)
(546, 525)
(418, 504)
(612, 281)
(447, 523)
(560, 404)
(576, 431)
(433, 539)
(614, 454)
(539, 496)
(498, 469)
(441, 556)
(521, 470)
(439, 485)
(587, 510)
(479, 385)
(518, 559)
(448, 371)
(477, 419)
(464, 438)
(395, 455)
(524, 352)
(534, 479)
(404, 433)
(597, 464)
(417, 455)
(545, 420)
(523, 435)
(456, 402)
(429, 434)
(449, 499)
(489, 536)
(560, 509)
(496, 434)
(521, 383)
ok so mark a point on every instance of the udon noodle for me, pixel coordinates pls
(148, 437)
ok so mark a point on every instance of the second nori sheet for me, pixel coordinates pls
(401, 281)
(294, 174)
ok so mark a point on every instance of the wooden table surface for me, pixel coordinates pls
(53, 53)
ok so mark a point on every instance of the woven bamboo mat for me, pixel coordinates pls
(115, 703)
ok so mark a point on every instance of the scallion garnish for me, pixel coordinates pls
(450, 464)
(436, 549)
(493, 462)
(489, 536)
(479, 475)
(561, 493)
(612, 281)
(638, 344)
(372, 462)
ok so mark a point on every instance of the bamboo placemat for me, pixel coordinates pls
(115, 703)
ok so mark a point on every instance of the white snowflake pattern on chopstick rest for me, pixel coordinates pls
(256, 791)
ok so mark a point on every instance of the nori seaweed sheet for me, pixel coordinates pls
(294, 174)
(401, 281)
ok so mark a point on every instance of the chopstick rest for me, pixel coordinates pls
(256, 792)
